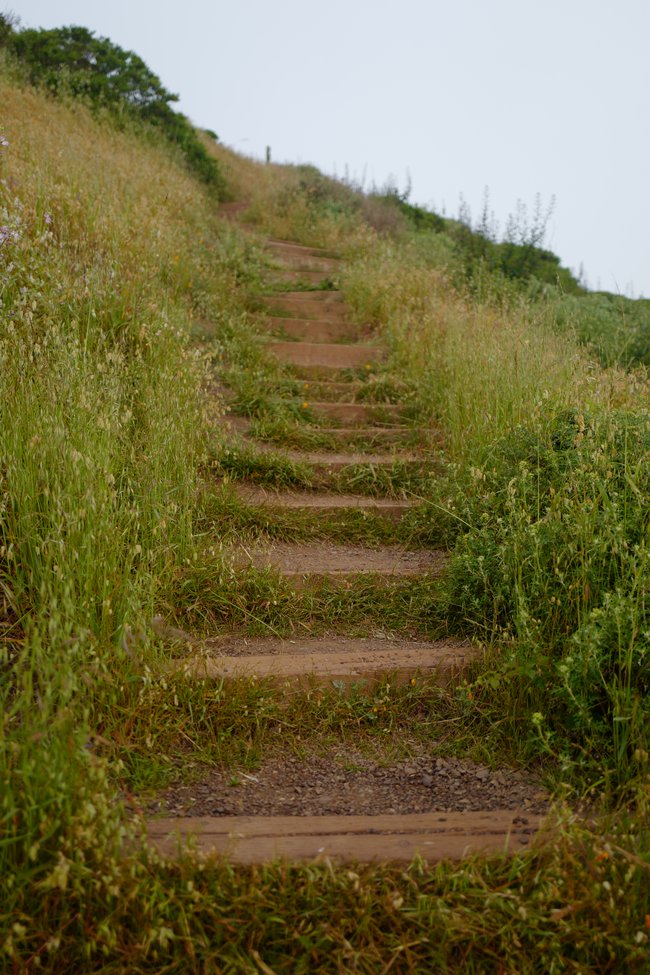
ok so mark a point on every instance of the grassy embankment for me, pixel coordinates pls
(121, 291)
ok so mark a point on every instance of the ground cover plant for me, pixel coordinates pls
(122, 299)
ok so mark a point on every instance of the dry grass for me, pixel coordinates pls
(115, 252)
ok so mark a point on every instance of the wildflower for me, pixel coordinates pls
(537, 718)
(470, 696)
(368, 365)
(412, 681)
(47, 217)
(603, 855)
(4, 142)
(305, 405)
(6, 233)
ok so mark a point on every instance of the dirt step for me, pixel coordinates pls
(325, 356)
(288, 249)
(303, 262)
(304, 562)
(355, 413)
(323, 389)
(433, 836)
(372, 435)
(312, 502)
(314, 329)
(325, 461)
(299, 276)
(307, 304)
(327, 660)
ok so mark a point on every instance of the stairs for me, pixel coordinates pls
(314, 334)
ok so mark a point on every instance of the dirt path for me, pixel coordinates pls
(341, 803)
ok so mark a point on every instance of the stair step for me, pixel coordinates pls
(324, 355)
(308, 304)
(316, 503)
(324, 460)
(288, 248)
(299, 276)
(433, 836)
(354, 413)
(305, 562)
(343, 660)
(305, 262)
(375, 434)
(313, 329)
(332, 389)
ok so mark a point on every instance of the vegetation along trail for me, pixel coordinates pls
(323, 564)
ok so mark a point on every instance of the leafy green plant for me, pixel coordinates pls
(74, 61)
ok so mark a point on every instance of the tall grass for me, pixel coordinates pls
(110, 250)
(112, 257)
(547, 493)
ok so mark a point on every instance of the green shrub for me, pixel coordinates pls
(556, 567)
(73, 61)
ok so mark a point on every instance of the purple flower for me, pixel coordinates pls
(7, 234)
(47, 218)
(4, 142)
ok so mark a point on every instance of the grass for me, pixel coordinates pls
(123, 297)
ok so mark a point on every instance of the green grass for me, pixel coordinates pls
(126, 299)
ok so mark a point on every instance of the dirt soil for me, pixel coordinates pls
(326, 558)
(352, 784)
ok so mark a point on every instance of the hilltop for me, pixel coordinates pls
(306, 424)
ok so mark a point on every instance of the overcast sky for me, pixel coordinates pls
(521, 96)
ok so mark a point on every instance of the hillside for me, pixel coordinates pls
(313, 420)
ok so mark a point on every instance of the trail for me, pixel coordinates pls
(314, 334)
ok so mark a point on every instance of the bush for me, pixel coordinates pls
(73, 61)
(557, 568)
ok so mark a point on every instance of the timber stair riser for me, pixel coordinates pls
(339, 663)
(295, 276)
(312, 329)
(325, 463)
(321, 504)
(355, 413)
(433, 836)
(321, 355)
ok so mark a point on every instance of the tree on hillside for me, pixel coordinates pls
(88, 65)
(72, 60)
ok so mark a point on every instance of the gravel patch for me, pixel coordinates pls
(353, 785)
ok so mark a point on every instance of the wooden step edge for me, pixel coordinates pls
(388, 433)
(330, 462)
(317, 502)
(290, 261)
(363, 411)
(312, 329)
(292, 275)
(276, 243)
(325, 355)
(403, 665)
(318, 297)
(312, 578)
(434, 837)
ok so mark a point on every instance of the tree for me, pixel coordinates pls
(89, 65)
(72, 60)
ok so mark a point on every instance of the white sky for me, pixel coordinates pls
(521, 96)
